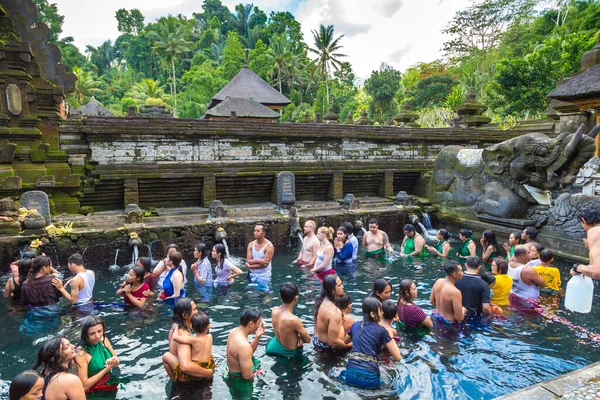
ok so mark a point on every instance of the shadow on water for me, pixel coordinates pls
(484, 361)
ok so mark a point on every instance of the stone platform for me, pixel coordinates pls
(583, 383)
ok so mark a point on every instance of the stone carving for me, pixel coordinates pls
(286, 189)
(39, 151)
(133, 214)
(220, 234)
(351, 202)
(216, 209)
(135, 240)
(560, 217)
(505, 179)
(8, 205)
(294, 221)
(13, 99)
(38, 200)
(403, 199)
(7, 151)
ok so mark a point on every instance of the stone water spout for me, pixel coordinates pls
(295, 223)
(135, 242)
(221, 236)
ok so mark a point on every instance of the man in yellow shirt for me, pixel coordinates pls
(550, 274)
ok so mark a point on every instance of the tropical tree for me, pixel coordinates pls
(326, 48)
(170, 43)
(278, 56)
(247, 21)
(86, 85)
(102, 56)
(148, 89)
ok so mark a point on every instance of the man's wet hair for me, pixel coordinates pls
(373, 221)
(250, 314)
(546, 255)
(473, 262)
(288, 292)
(531, 232)
(389, 309)
(450, 267)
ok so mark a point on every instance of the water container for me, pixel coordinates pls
(580, 292)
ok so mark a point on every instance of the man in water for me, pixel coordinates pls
(589, 218)
(82, 284)
(310, 245)
(259, 255)
(376, 241)
(526, 281)
(290, 334)
(528, 236)
(413, 243)
(446, 298)
(329, 332)
(240, 354)
(475, 292)
(352, 239)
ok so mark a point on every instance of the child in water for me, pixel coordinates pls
(344, 303)
(490, 279)
(550, 274)
(201, 349)
(390, 315)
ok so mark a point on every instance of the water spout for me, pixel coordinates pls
(149, 252)
(135, 254)
(429, 238)
(427, 221)
(300, 236)
(226, 247)
(83, 254)
(116, 257)
(362, 228)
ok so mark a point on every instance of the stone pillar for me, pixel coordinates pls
(336, 188)
(132, 195)
(209, 189)
(386, 188)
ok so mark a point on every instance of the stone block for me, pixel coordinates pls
(72, 181)
(12, 183)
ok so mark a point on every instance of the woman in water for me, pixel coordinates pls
(95, 358)
(134, 288)
(13, 285)
(443, 247)
(513, 240)
(38, 289)
(28, 385)
(173, 283)
(149, 277)
(56, 357)
(503, 283)
(226, 271)
(343, 249)
(368, 337)
(467, 247)
(409, 313)
(490, 247)
(382, 290)
(324, 256)
(202, 270)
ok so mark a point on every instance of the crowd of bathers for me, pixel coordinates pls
(511, 274)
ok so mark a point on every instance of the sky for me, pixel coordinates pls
(400, 33)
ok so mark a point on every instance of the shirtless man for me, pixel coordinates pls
(259, 255)
(183, 311)
(310, 245)
(290, 334)
(528, 236)
(329, 331)
(589, 218)
(413, 243)
(240, 353)
(446, 298)
(376, 241)
(526, 281)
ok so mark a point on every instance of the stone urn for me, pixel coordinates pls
(34, 221)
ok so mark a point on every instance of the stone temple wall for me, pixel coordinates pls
(160, 162)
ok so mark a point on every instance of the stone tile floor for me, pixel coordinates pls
(591, 390)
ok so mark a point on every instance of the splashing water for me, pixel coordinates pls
(226, 247)
(429, 238)
(300, 236)
(363, 230)
(135, 255)
(427, 221)
(149, 252)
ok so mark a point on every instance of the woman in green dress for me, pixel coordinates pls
(467, 247)
(443, 247)
(95, 358)
(490, 247)
(513, 240)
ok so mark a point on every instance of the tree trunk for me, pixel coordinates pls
(279, 77)
(174, 89)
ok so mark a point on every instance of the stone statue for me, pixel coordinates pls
(504, 180)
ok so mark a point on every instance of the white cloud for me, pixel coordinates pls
(398, 32)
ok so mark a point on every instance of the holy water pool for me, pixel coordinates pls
(487, 361)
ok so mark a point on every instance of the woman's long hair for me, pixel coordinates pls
(86, 324)
(22, 384)
(489, 238)
(405, 286)
(329, 283)
(182, 306)
(38, 264)
(379, 287)
(50, 356)
(220, 249)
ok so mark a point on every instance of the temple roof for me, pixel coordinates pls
(93, 108)
(244, 108)
(245, 85)
(580, 87)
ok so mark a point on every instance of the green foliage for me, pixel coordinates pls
(300, 111)
(48, 14)
(131, 21)
(382, 86)
(433, 87)
(283, 23)
(288, 112)
(200, 84)
(86, 86)
(327, 50)
(126, 102)
(435, 117)
(71, 55)
(259, 60)
(456, 97)
(233, 56)
(148, 89)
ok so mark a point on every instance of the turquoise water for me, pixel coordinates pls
(484, 362)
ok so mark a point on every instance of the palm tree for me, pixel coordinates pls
(326, 47)
(278, 56)
(86, 86)
(244, 22)
(170, 43)
(148, 89)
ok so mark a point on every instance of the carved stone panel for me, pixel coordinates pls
(13, 99)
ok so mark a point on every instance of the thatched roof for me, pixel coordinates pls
(92, 108)
(245, 85)
(580, 87)
(244, 108)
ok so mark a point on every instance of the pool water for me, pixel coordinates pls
(483, 362)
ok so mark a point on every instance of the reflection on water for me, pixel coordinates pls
(484, 361)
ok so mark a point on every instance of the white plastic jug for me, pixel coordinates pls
(580, 293)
